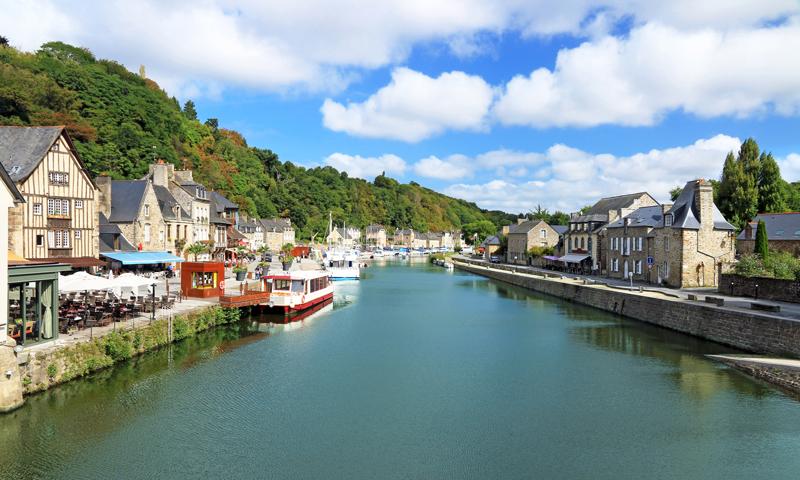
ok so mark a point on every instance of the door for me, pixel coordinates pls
(625, 269)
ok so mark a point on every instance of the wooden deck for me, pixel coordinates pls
(246, 299)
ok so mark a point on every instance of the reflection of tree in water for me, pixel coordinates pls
(78, 414)
(697, 376)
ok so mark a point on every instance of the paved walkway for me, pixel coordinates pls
(788, 310)
(770, 361)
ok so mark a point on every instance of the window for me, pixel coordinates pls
(543, 233)
(639, 242)
(58, 178)
(638, 267)
(666, 243)
(77, 234)
(58, 207)
(37, 208)
(147, 232)
(668, 220)
(615, 265)
(161, 235)
(40, 240)
(147, 210)
(58, 238)
(78, 203)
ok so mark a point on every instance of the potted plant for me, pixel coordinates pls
(240, 271)
(286, 256)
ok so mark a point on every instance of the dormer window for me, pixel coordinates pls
(668, 220)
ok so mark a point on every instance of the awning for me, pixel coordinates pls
(78, 262)
(142, 258)
(574, 258)
(552, 258)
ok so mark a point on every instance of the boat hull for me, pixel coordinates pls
(299, 307)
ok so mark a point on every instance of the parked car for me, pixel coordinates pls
(494, 259)
(266, 257)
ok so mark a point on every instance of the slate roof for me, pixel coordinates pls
(22, 148)
(221, 202)
(374, 228)
(12, 187)
(780, 226)
(126, 199)
(686, 212)
(190, 187)
(599, 211)
(109, 231)
(493, 240)
(348, 234)
(167, 204)
(561, 229)
(523, 227)
(641, 217)
(275, 224)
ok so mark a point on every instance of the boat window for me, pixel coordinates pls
(281, 284)
(298, 286)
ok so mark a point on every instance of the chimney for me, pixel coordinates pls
(162, 173)
(183, 176)
(520, 220)
(103, 195)
(505, 229)
(666, 207)
(704, 201)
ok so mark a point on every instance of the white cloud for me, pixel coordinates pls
(659, 69)
(576, 178)
(790, 167)
(319, 44)
(367, 167)
(414, 106)
(450, 168)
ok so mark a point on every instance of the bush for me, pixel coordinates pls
(779, 265)
(118, 346)
(52, 371)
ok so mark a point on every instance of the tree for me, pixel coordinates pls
(189, 111)
(197, 249)
(770, 189)
(559, 218)
(540, 213)
(476, 232)
(213, 124)
(675, 193)
(762, 243)
(3, 41)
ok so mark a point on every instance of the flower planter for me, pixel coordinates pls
(240, 276)
(286, 266)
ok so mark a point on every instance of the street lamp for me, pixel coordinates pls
(153, 304)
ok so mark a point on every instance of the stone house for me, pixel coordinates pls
(583, 237)
(783, 233)
(132, 205)
(527, 234)
(376, 235)
(58, 220)
(10, 196)
(404, 237)
(688, 242)
(344, 237)
(252, 231)
(490, 246)
(277, 232)
(192, 197)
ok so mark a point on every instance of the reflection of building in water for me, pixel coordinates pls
(698, 377)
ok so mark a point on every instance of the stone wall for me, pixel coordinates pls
(768, 288)
(752, 332)
(789, 246)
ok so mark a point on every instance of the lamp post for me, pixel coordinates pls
(153, 304)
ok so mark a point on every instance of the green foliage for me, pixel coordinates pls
(781, 265)
(476, 232)
(771, 197)
(536, 252)
(196, 249)
(762, 244)
(675, 193)
(52, 370)
(189, 110)
(118, 346)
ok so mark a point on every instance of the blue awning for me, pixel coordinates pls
(142, 258)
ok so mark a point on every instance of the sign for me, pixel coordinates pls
(650, 261)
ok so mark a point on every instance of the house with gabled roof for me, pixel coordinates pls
(191, 196)
(9, 197)
(680, 245)
(525, 235)
(376, 235)
(783, 233)
(583, 245)
(58, 220)
(277, 232)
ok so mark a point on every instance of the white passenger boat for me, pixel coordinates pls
(297, 290)
(342, 266)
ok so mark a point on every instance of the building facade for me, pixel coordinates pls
(682, 245)
(783, 233)
(583, 237)
(59, 218)
(277, 233)
(10, 196)
(376, 235)
(527, 234)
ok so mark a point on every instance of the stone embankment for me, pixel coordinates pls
(757, 332)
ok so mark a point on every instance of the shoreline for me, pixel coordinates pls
(775, 338)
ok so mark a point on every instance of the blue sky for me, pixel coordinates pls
(507, 103)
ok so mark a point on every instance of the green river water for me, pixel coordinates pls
(415, 372)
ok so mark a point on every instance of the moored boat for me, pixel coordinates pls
(343, 266)
(298, 290)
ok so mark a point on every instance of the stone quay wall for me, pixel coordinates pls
(768, 288)
(753, 332)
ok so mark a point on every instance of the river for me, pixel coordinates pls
(415, 372)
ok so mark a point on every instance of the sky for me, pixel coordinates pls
(507, 103)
